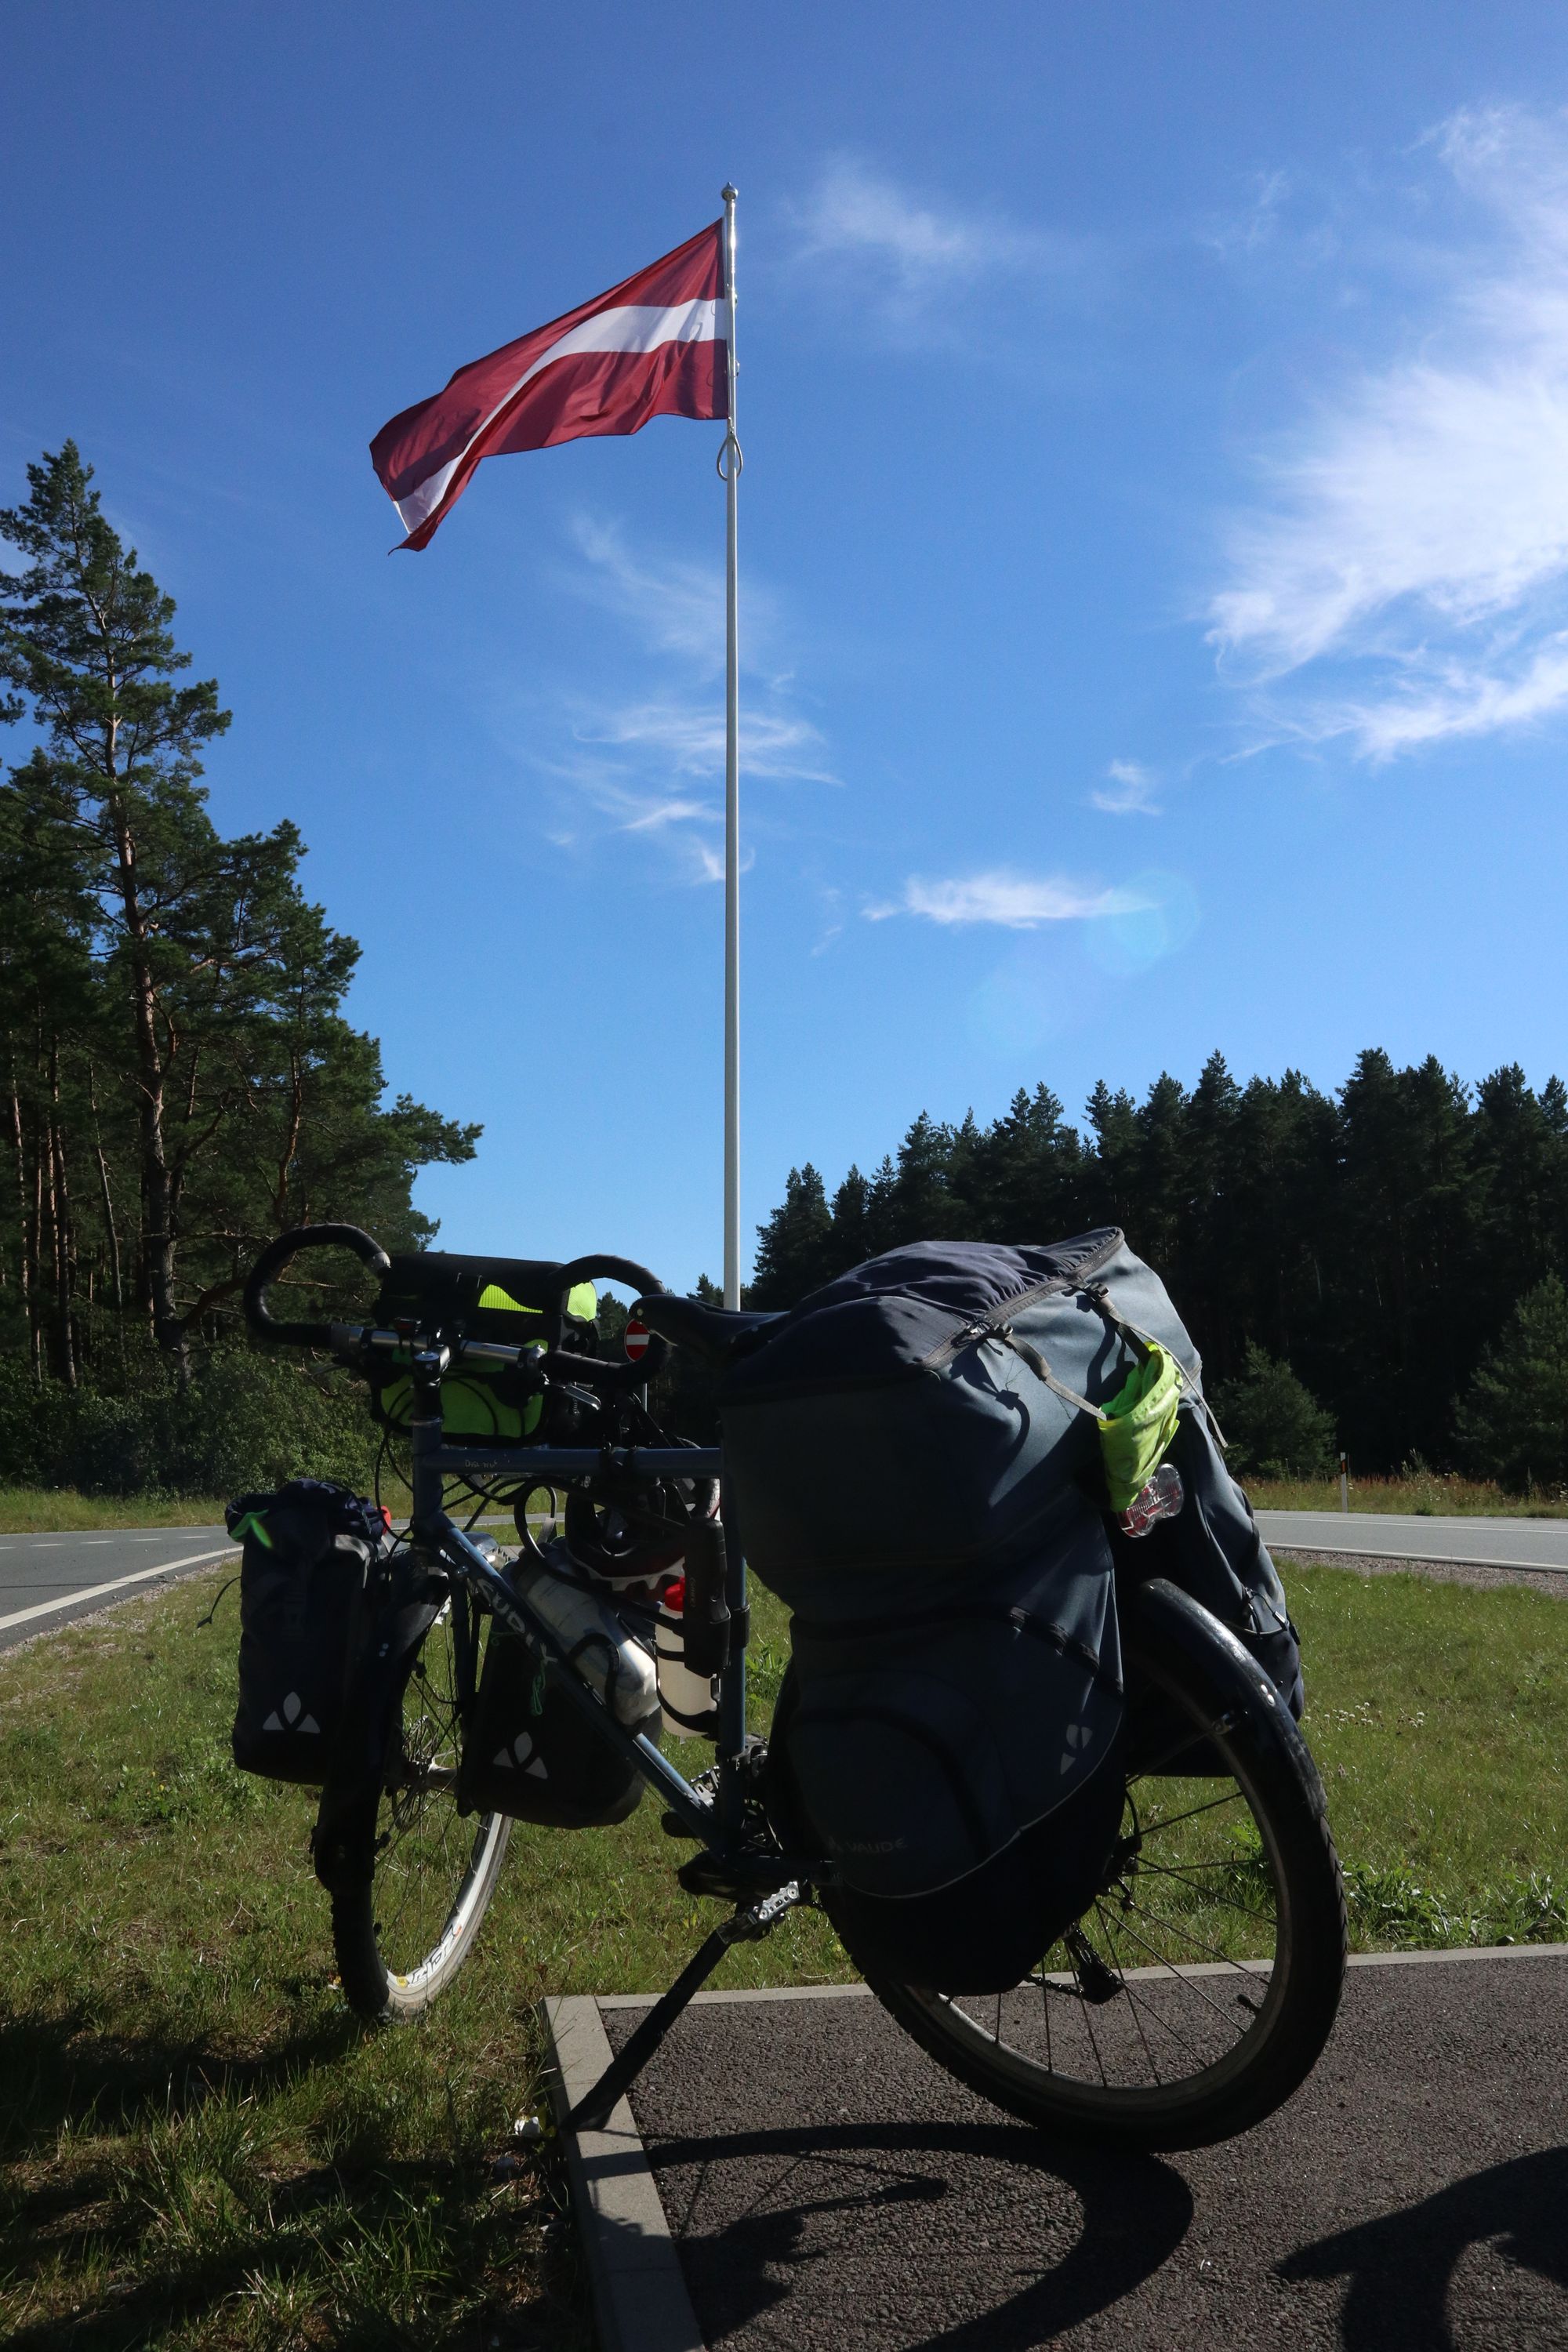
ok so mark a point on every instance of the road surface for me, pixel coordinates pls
(48, 1580)
(1541, 1543)
(829, 2189)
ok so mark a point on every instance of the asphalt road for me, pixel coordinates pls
(46, 1580)
(1541, 1543)
(828, 2186)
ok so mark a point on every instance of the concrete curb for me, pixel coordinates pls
(641, 2303)
(640, 2298)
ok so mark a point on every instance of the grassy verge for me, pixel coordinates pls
(41, 1511)
(1426, 1493)
(199, 2147)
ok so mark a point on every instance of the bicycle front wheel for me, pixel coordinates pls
(403, 1936)
(1198, 1990)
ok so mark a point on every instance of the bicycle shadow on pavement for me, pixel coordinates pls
(1099, 2225)
(1404, 2268)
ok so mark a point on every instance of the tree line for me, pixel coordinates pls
(1399, 1244)
(180, 1079)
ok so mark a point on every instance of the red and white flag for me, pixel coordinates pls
(653, 346)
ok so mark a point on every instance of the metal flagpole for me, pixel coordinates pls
(729, 463)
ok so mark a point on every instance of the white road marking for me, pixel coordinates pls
(92, 1591)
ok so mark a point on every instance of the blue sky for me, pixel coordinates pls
(1154, 543)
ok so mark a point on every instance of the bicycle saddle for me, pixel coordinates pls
(714, 1333)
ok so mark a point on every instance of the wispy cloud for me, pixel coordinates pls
(652, 765)
(854, 209)
(1255, 224)
(688, 740)
(1017, 902)
(1417, 525)
(1129, 791)
(916, 264)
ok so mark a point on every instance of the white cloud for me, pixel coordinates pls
(651, 765)
(688, 739)
(1254, 225)
(675, 605)
(1417, 524)
(1129, 791)
(1017, 902)
(915, 266)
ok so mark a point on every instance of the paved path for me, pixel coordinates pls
(46, 1580)
(828, 2186)
(1541, 1543)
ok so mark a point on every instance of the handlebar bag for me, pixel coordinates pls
(530, 1752)
(304, 1563)
(512, 1300)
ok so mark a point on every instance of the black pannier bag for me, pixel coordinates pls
(306, 1555)
(530, 1752)
(934, 1513)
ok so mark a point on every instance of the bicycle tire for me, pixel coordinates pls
(404, 1928)
(1176, 1655)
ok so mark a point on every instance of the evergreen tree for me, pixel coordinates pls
(1274, 1425)
(794, 1248)
(181, 1081)
(1513, 1422)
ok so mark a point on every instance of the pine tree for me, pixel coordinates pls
(87, 635)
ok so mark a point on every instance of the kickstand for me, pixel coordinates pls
(593, 2108)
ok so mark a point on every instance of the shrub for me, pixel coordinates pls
(1513, 1421)
(1274, 1424)
(247, 1420)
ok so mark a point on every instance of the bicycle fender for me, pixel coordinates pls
(342, 1843)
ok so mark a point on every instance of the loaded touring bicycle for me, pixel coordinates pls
(1036, 1754)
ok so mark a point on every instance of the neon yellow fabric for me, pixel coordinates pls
(1138, 1424)
(581, 1300)
(470, 1408)
(492, 1294)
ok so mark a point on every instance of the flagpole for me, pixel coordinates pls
(729, 467)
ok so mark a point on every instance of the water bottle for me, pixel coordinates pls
(1161, 1498)
(609, 1659)
(686, 1697)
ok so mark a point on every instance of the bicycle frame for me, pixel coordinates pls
(712, 1821)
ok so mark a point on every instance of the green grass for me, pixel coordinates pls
(1438, 1715)
(41, 1511)
(1426, 1493)
(199, 2147)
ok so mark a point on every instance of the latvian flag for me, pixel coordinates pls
(652, 346)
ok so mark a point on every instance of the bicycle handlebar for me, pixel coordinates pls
(281, 1253)
(599, 1264)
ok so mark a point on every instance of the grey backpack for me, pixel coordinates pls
(910, 1466)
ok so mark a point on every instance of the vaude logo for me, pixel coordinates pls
(292, 1716)
(866, 1845)
(522, 1748)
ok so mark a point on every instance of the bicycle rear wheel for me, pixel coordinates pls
(402, 1934)
(1198, 1990)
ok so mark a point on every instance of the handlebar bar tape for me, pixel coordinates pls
(279, 1254)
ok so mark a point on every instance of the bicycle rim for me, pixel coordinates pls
(403, 1937)
(1198, 1988)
